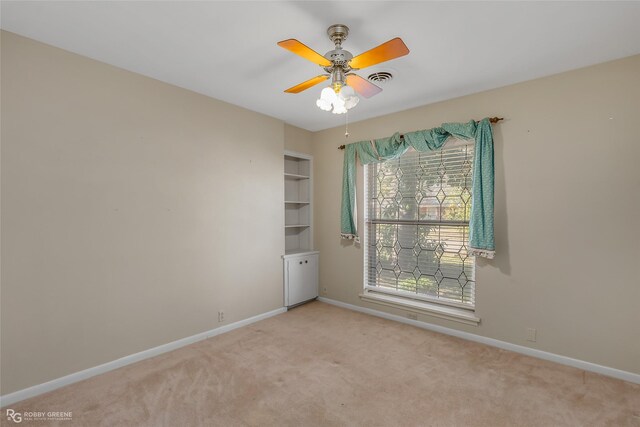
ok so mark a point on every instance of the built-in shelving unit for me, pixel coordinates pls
(300, 261)
(297, 203)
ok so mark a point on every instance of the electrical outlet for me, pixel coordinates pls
(221, 316)
(324, 290)
(531, 334)
(412, 316)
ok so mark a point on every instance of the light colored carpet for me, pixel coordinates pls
(319, 365)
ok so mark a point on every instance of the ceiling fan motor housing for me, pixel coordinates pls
(338, 33)
(339, 57)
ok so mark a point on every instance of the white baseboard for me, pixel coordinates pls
(564, 360)
(35, 390)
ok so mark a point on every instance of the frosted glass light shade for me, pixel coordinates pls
(338, 103)
(346, 92)
(323, 104)
(339, 107)
(348, 95)
(328, 94)
(351, 102)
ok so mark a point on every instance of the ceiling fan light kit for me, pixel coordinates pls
(345, 86)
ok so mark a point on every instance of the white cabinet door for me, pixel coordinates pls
(301, 283)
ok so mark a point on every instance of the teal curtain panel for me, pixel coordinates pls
(481, 240)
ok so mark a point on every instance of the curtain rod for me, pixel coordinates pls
(491, 119)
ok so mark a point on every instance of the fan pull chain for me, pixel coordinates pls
(346, 125)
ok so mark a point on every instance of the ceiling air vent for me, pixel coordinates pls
(380, 77)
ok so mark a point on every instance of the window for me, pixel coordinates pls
(417, 220)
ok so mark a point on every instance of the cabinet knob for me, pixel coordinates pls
(300, 262)
(305, 261)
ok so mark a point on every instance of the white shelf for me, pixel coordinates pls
(298, 251)
(295, 176)
(297, 226)
(296, 202)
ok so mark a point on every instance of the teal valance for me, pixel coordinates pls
(481, 241)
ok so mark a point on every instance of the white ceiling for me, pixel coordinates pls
(227, 50)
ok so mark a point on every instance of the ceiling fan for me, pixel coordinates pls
(339, 65)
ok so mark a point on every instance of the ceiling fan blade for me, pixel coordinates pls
(306, 85)
(392, 49)
(306, 52)
(363, 86)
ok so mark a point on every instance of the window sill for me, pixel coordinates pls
(422, 307)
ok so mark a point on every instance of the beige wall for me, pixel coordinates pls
(128, 213)
(567, 212)
(296, 139)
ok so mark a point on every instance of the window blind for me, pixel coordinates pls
(417, 220)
